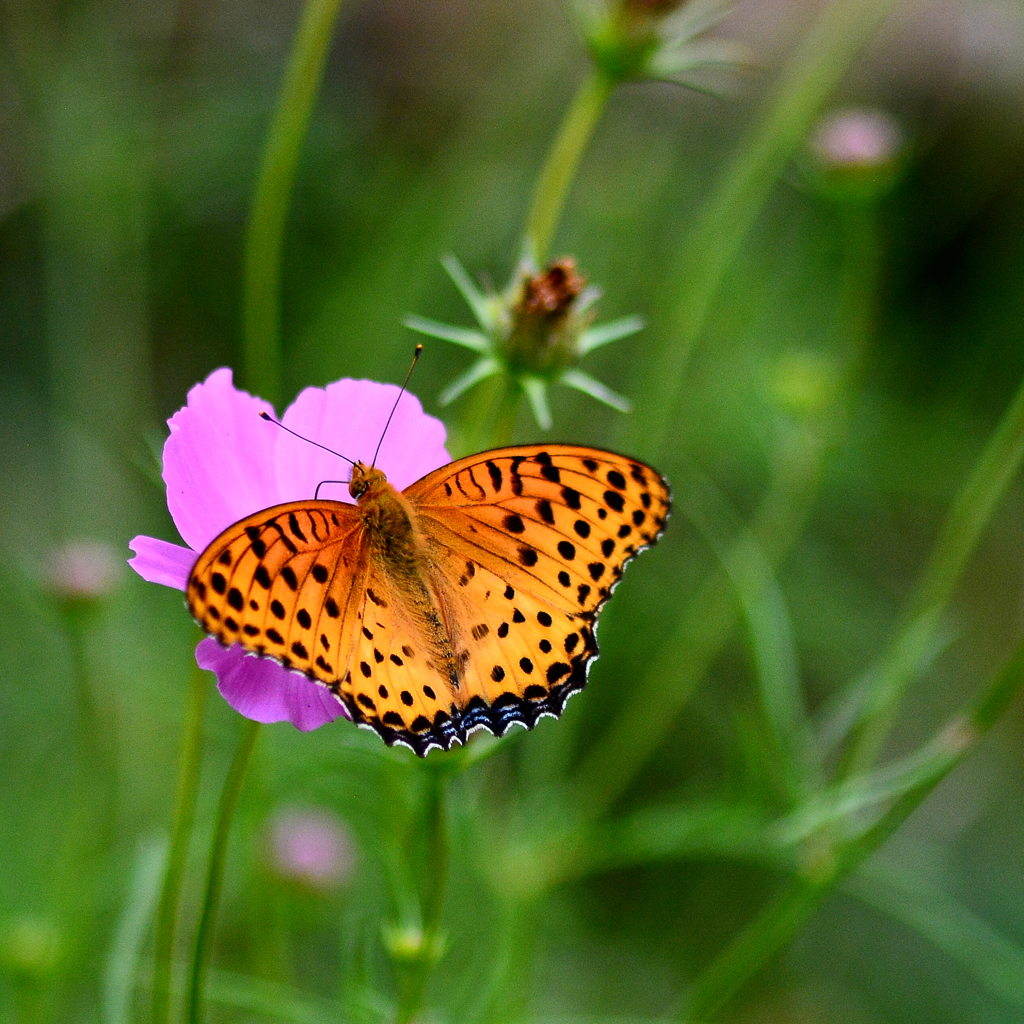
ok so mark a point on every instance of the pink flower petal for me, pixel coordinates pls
(349, 416)
(159, 562)
(218, 461)
(262, 690)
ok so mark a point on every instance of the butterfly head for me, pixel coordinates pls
(367, 481)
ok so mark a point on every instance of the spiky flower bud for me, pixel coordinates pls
(657, 39)
(534, 333)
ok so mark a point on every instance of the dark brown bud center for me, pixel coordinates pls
(552, 293)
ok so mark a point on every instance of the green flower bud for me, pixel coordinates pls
(30, 948)
(535, 333)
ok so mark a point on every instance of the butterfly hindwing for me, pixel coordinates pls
(398, 679)
(285, 583)
(519, 658)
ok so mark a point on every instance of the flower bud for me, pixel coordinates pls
(311, 847)
(802, 383)
(30, 947)
(543, 328)
(408, 944)
(857, 153)
(534, 333)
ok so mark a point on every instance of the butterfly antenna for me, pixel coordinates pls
(415, 359)
(270, 419)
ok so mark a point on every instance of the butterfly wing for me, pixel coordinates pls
(286, 583)
(398, 680)
(527, 543)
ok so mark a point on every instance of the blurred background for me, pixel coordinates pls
(858, 352)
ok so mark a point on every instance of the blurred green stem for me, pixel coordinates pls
(779, 922)
(435, 880)
(215, 876)
(811, 75)
(261, 305)
(967, 519)
(184, 815)
(562, 162)
(95, 727)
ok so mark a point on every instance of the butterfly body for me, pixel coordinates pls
(466, 601)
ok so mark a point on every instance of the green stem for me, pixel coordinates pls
(261, 316)
(967, 519)
(562, 162)
(778, 923)
(184, 815)
(814, 71)
(436, 877)
(215, 878)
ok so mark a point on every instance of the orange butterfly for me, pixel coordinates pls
(467, 601)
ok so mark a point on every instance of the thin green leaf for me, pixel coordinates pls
(537, 395)
(768, 622)
(589, 386)
(688, 831)
(990, 958)
(481, 369)
(447, 332)
(595, 337)
(475, 299)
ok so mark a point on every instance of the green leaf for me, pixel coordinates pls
(990, 958)
(537, 395)
(475, 299)
(481, 369)
(447, 332)
(589, 386)
(595, 337)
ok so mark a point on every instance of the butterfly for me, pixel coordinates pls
(467, 601)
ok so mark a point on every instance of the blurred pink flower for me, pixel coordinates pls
(311, 846)
(222, 462)
(860, 138)
(83, 570)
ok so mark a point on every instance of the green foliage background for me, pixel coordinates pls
(132, 135)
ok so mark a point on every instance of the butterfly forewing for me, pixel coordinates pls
(555, 521)
(286, 583)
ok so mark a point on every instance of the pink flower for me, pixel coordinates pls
(222, 463)
(312, 847)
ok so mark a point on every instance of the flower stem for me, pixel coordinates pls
(562, 162)
(184, 815)
(971, 511)
(436, 877)
(261, 317)
(215, 877)
(778, 923)
(816, 68)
